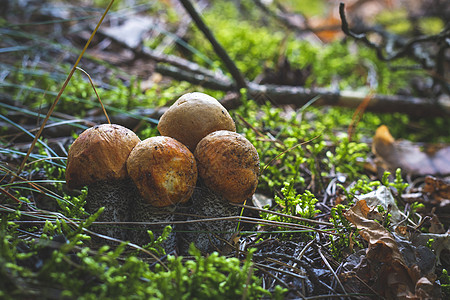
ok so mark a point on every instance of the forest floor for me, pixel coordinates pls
(346, 105)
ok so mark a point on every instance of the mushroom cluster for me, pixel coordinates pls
(228, 168)
(195, 169)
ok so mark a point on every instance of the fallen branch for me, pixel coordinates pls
(299, 96)
(181, 63)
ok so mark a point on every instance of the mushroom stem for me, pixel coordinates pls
(143, 212)
(206, 236)
(116, 197)
(123, 203)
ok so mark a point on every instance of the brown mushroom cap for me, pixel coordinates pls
(99, 154)
(228, 164)
(164, 171)
(192, 117)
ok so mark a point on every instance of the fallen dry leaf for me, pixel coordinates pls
(438, 188)
(409, 156)
(383, 196)
(435, 224)
(382, 246)
(385, 268)
(327, 29)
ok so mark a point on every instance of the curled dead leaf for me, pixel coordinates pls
(437, 187)
(382, 246)
(408, 156)
(395, 277)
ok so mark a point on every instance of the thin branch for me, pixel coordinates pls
(220, 51)
(299, 96)
(283, 215)
(179, 62)
(406, 48)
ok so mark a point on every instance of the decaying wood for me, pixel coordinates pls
(299, 96)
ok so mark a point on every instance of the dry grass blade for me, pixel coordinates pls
(8, 194)
(95, 90)
(284, 215)
(331, 269)
(66, 82)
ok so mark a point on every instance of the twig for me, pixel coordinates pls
(279, 17)
(179, 62)
(444, 34)
(300, 25)
(220, 51)
(312, 276)
(300, 255)
(261, 269)
(379, 103)
(258, 265)
(204, 80)
(331, 269)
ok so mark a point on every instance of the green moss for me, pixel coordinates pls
(395, 21)
(279, 144)
(244, 45)
(307, 7)
(431, 25)
(293, 204)
(58, 263)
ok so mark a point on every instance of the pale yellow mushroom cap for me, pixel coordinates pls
(192, 117)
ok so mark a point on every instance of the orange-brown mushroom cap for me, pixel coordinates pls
(228, 164)
(192, 117)
(163, 170)
(99, 154)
